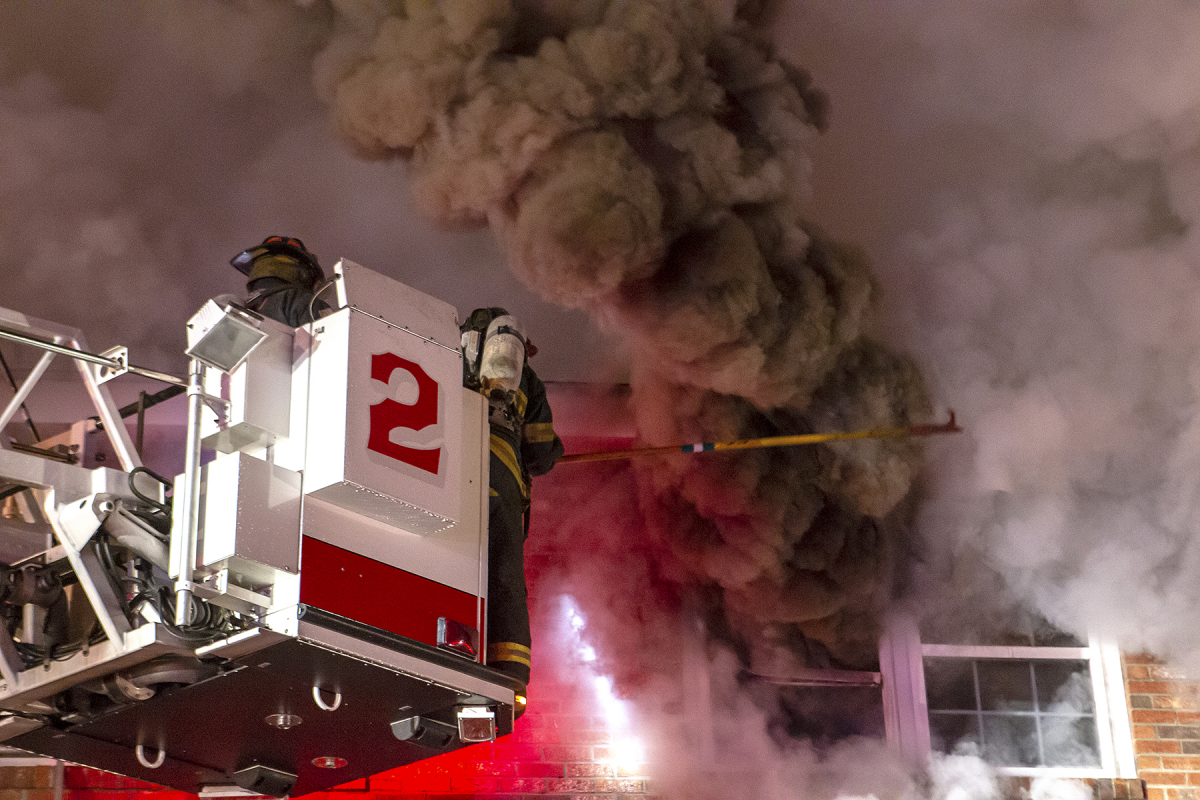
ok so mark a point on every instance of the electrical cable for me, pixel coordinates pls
(322, 287)
(164, 604)
(163, 507)
(104, 548)
(211, 622)
(35, 655)
(132, 591)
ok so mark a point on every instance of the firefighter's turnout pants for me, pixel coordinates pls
(508, 609)
(523, 444)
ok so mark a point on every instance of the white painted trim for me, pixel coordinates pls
(905, 712)
(1003, 651)
(23, 761)
(1118, 710)
(1101, 704)
(1054, 772)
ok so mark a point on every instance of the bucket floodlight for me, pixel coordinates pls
(222, 337)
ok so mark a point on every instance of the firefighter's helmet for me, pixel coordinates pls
(310, 270)
(480, 319)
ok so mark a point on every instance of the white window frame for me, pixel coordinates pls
(906, 709)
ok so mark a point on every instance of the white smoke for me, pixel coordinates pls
(1028, 190)
(124, 134)
(141, 146)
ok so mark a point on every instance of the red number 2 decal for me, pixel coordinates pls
(388, 415)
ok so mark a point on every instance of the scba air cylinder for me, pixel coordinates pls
(503, 354)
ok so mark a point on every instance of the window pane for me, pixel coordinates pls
(1005, 686)
(949, 684)
(1064, 686)
(1010, 741)
(1070, 742)
(951, 732)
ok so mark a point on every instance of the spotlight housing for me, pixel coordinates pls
(223, 336)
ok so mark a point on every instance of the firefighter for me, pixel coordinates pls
(283, 278)
(523, 445)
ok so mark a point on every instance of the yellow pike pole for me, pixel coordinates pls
(770, 441)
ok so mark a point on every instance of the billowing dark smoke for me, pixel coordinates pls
(646, 162)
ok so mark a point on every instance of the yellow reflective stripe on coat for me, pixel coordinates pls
(539, 432)
(504, 451)
(508, 651)
(521, 402)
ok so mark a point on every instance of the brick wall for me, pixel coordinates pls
(557, 749)
(1012, 788)
(1166, 728)
(1119, 789)
(27, 783)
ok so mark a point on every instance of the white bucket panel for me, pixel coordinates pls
(385, 419)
